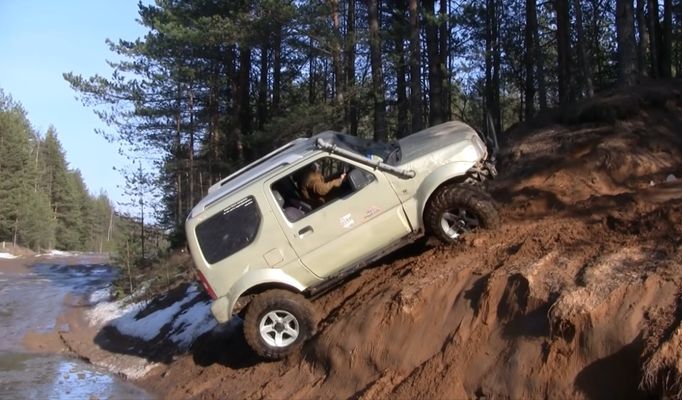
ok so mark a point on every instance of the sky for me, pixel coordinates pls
(40, 40)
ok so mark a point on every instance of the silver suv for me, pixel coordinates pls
(297, 221)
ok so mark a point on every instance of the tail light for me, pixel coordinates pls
(206, 286)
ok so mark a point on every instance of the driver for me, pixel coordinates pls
(315, 188)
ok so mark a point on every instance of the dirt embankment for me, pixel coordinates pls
(577, 294)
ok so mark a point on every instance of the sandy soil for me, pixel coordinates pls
(577, 295)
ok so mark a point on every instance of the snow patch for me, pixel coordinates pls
(57, 253)
(100, 295)
(148, 327)
(105, 312)
(192, 323)
(60, 253)
(7, 256)
(187, 322)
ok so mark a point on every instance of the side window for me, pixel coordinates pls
(229, 231)
(318, 184)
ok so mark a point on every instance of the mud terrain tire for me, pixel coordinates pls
(456, 210)
(277, 322)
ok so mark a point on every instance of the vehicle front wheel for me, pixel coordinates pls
(456, 210)
(277, 322)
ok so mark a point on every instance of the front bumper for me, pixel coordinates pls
(482, 171)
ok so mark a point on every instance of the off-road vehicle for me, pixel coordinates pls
(261, 250)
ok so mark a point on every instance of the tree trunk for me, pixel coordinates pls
(563, 50)
(497, 112)
(235, 89)
(540, 64)
(277, 71)
(213, 122)
(190, 153)
(529, 60)
(677, 62)
(587, 88)
(666, 42)
(401, 89)
(336, 52)
(244, 86)
(436, 115)
(443, 51)
(350, 69)
(627, 70)
(643, 44)
(177, 154)
(415, 69)
(311, 72)
(654, 31)
(262, 108)
(377, 73)
(492, 65)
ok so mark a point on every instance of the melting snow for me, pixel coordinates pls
(191, 324)
(105, 312)
(59, 253)
(56, 253)
(100, 295)
(186, 322)
(7, 256)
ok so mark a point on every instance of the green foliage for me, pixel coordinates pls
(37, 226)
(213, 85)
(149, 268)
(17, 171)
(43, 204)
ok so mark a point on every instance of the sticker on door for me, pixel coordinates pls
(346, 221)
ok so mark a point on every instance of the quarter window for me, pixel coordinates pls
(230, 230)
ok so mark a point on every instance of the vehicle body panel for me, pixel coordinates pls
(340, 233)
(225, 274)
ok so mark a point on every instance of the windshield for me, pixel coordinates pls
(388, 152)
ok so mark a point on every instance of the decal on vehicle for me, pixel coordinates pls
(371, 212)
(346, 221)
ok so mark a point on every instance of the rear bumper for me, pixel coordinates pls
(221, 309)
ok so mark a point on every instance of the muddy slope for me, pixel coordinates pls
(576, 295)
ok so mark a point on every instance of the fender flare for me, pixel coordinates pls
(223, 306)
(439, 176)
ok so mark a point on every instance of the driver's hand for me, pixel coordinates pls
(343, 176)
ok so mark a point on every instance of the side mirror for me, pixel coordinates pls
(359, 179)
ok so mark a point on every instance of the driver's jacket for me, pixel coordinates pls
(314, 188)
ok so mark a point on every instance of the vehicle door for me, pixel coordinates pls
(361, 218)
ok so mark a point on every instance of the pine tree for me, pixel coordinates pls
(17, 175)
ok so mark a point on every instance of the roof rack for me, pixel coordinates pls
(256, 163)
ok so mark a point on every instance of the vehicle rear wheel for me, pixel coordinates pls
(277, 322)
(457, 210)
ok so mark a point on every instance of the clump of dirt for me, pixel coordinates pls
(576, 295)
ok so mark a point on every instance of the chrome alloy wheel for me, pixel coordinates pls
(457, 222)
(279, 328)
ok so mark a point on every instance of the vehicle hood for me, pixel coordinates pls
(449, 142)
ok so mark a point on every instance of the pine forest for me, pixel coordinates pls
(43, 203)
(215, 84)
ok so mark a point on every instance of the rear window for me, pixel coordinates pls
(229, 231)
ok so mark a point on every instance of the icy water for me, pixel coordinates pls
(32, 301)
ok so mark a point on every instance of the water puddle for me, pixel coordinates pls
(34, 376)
(31, 302)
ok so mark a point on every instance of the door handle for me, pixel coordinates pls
(305, 231)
